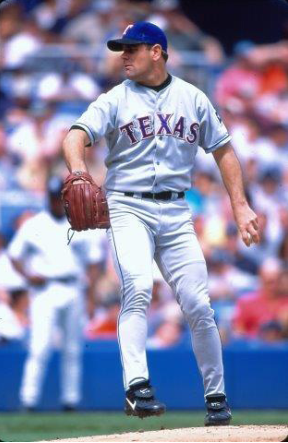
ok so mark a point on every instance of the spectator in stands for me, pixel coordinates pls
(250, 143)
(67, 86)
(25, 39)
(169, 333)
(35, 142)
(268, 246)
(278, 135)
(103, 325)
(50, 14)
(165, 319)
(240, 83)
(182, 33)
(162, 296)
(268, 196)
(283, 250)
(199, 226)
(255, 312)
(232, 246)
(92, 25)
(7, 168)
(256, 82)
(272, 104)
(71, 11)
(10, 24)
(207, 197)
(32, 136)
(226, 281)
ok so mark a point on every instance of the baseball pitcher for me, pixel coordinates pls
(154, 123)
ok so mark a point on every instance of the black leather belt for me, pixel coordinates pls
(65, 280)
(165, 195)
(68, 279)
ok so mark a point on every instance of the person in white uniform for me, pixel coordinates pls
(58, 276)
(154, 123)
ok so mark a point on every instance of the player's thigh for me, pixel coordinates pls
(182, 263)
(132, 245)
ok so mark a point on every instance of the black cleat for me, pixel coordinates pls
(218, 411)
(140, 401)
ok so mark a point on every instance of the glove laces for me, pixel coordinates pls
(70, 235)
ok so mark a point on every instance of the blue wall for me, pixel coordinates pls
(256, 377)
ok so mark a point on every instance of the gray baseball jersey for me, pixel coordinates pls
(153, 136)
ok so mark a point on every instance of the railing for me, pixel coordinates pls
(192, 66)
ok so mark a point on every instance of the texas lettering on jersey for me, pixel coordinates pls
(163, 126)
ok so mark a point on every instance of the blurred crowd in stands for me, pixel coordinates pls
(54, 62)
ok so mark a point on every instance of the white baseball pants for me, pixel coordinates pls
(141, 230)
(62, 305)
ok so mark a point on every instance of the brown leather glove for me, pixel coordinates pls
(85, 203)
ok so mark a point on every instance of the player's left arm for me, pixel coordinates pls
(231, 172)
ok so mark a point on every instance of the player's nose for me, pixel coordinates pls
(125, 55)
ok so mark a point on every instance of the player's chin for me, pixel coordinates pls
(130, 74)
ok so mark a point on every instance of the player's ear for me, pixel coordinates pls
(156, 52)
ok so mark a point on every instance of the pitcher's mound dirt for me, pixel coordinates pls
(214, 434)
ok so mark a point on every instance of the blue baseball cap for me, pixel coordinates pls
(138, 33)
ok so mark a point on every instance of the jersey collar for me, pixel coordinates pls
(163, 85)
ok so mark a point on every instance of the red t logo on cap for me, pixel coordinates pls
(127, 28)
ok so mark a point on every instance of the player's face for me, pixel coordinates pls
(56, 207)
(137, 61)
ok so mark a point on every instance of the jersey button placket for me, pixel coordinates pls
(156, 160)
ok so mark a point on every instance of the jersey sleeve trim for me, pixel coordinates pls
(87, 130)
(217, 145)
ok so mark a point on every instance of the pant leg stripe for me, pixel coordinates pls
(122, 304)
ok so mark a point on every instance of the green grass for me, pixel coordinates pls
(45, 426)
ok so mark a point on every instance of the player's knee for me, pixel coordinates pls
(200, 315)
(72, 350)
(192, 292)
(39, 354)
(137, 296)
(195, 304)
(204, 312)
(39, 347)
